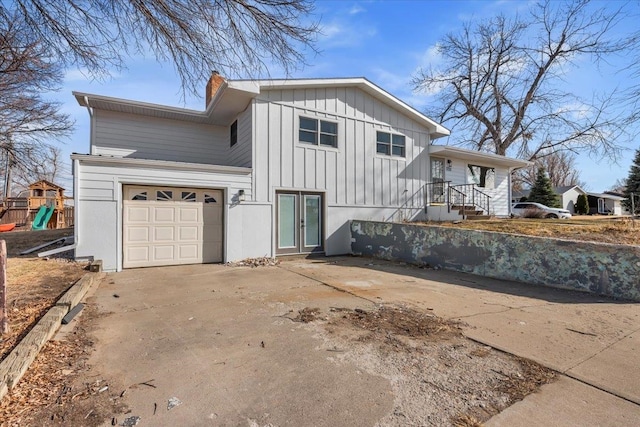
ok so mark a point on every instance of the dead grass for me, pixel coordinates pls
(34, 285)
(591, 229)
(51, 394)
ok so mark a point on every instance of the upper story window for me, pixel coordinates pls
(318, 132)
(481, 176)
(233, 133)
(390, 144)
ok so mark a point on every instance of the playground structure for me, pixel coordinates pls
(43, 208)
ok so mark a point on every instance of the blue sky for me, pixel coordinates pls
(384, 41)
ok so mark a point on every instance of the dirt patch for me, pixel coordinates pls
(438, 376)
(621, 231)
(33, 286)
(52, 393)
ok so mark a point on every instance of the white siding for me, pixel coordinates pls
(499, 203)
(350, 175)
(569, 199)
(99, 208)
(141, 137)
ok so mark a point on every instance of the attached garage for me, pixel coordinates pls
(171, 226)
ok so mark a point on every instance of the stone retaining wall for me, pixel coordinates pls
(605, 269)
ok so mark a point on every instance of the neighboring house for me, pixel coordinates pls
(270, 167)
(606, 204)
(567, 195)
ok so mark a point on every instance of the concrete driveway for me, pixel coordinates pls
(218, 339)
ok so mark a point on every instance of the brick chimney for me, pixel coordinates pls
(212, 86)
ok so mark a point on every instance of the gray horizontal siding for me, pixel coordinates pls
(240, 154)
(130, 135)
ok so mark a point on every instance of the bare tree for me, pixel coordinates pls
(34, 165)
(501, 88)
(236, 37)
(619, 186)
(561, 170)
(28, 120)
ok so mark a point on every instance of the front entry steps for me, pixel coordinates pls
(470, 212)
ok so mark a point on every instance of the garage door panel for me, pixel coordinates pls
(164, 234)
(189, 251)
(137, 235)
(163, 253)
(138, 254)
(191, 214)
(187, 233)
(174, 230)
(164, 214)
(137, 214)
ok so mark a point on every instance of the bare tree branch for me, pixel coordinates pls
(236, 37)
(502, 86)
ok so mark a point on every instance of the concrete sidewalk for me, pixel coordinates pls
(594, 341)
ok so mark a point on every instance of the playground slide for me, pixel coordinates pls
(42, 217)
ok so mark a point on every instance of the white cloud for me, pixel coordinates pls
(356, 9)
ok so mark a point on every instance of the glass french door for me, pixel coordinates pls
(299, 223)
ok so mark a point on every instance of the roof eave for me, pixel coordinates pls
(464, 154)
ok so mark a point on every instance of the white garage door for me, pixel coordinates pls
(171, 226)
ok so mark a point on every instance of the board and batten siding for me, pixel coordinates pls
(351, 175)
(99, 208)
(131, 135)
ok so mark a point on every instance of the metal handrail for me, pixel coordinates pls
(459, 193)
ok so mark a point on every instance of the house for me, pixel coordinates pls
(567, 196)
(606, 204)
(268, 168)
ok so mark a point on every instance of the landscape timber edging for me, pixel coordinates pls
(16, 364)
(599, 268)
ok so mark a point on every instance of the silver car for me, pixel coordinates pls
(536, 210)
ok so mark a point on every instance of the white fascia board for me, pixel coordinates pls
(84, 99)
(461, 153)
(437, 130)
(160, 164)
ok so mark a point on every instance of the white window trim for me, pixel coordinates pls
(318, 133)
(391, 155)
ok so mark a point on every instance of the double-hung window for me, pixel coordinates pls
(318, 132)
(390, 144)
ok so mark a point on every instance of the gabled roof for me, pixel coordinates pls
(563, 189)
(233, 96)
(437, 130)
(47, 183)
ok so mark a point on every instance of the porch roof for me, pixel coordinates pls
(478, 156)
(606, 196)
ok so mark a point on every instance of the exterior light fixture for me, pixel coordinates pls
(241, 195)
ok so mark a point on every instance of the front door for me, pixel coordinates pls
(437, 181)
(299, 223)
